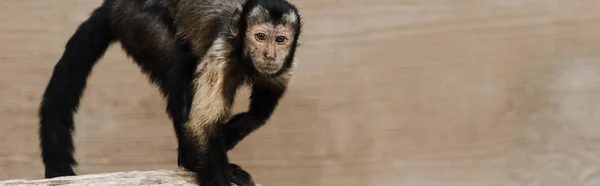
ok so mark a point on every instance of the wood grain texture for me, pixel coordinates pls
(386, 93)
(132, 178)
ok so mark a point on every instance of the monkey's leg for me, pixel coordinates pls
(147, 39)
(214, 89)
(178, 105)
(212, 167)
(264, 100)
(179, 101)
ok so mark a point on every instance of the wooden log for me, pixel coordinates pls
(141, 178)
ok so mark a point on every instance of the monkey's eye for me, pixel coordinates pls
(261, 36)
(280, 39)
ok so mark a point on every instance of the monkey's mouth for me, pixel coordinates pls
(268, 69)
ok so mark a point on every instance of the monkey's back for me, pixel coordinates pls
(203, 19)
(186, 19)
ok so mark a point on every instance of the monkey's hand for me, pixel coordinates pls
(239, 176)
(234, 131)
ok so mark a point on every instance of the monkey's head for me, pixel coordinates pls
(269, 31)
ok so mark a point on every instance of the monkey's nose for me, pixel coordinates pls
(270, 55)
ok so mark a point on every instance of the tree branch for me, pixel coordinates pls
(142, 178)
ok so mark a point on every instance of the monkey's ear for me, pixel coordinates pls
(234, 26)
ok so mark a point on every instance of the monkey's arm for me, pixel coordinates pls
(263, 101)
(213, 91)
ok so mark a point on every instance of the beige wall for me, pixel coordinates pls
(387, 93)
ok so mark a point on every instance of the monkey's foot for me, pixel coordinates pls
(240, 177)
(53, 171)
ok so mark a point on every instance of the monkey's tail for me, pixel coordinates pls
(63, 93)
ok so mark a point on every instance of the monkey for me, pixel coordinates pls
(198, 53)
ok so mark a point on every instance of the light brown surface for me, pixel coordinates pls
(133, 178)
(387, 92)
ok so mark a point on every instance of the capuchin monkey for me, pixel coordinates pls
(198, 53)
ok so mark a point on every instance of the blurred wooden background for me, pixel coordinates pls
(387, 93)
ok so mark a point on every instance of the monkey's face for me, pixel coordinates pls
(268, 46)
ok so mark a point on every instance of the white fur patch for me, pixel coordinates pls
(259, 11)
(290, 17)
(209, 107)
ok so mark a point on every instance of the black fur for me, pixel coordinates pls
(153, 34)
(61, 98)
(262, 104)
